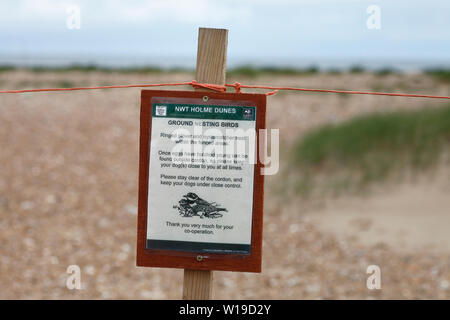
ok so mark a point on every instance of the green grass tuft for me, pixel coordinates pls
(442, 75)
(93, 67)
(385, 71)
(357, 69)
(5, 68)
(253, 72)
(368, 148)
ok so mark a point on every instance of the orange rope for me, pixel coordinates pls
(100, 87)
(237, 86)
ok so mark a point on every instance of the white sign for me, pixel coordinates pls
(201, 175)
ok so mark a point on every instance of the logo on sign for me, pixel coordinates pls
(161, 111)
(248, 113)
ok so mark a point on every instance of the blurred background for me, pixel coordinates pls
(363, 180)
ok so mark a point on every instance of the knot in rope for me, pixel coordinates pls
(210, 86)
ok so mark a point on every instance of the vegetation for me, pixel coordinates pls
(385, 71)
(91, 68)
(251, 71)
(4, 68)
(368, 148)
(442, 75)
(356, 69)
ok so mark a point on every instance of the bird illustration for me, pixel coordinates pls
(193, 198)
(192, 205)
(185, 209)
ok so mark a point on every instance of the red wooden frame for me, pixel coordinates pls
(191, 260)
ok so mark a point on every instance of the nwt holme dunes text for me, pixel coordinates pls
(205, 109)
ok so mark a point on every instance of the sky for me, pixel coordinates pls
(268, 32)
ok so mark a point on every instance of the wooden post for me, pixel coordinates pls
(211, 68)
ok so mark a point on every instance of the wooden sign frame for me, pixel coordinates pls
(192, 260)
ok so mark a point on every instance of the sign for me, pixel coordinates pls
(200, 182)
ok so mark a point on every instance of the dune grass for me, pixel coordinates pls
(370, 147)
(91, 68)
(442, 75)
(7, 68)
(243, 70)
(253, 72)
